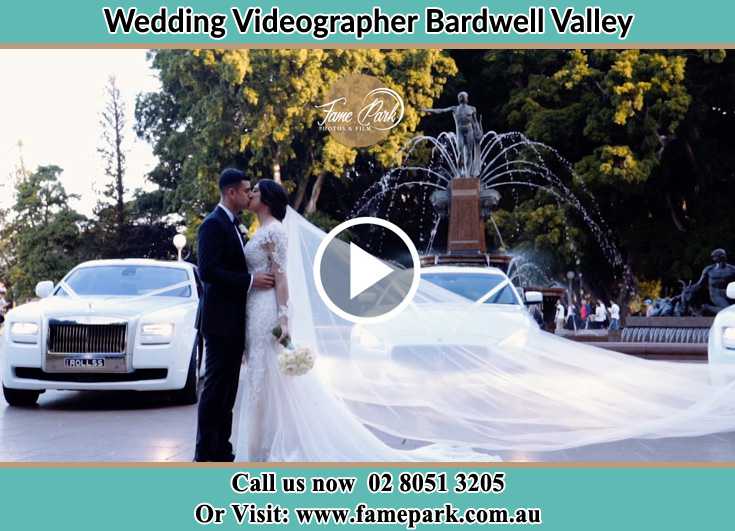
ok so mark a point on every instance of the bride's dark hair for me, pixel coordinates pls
(273, 195)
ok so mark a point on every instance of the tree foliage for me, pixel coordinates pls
(256, 109)
(44, 235)
(640, 128)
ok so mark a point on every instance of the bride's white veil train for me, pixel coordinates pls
(531, 391)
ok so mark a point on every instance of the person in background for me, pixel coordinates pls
(600, 315)
(571, 317)
(590, 313)
(614, 316)
(559, 317)
(584, 315)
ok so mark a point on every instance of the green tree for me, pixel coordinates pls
(613, 114)
(648, 133)
(44, 232)
(150, 232)
(7, 187)
(256, 109)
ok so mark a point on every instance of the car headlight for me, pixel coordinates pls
(156, 333)
(728, 337)
(24, 332)
(368, 340)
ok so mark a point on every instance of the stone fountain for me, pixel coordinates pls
(468, 200)
(464, 201)
(461, 181)
(461, 184)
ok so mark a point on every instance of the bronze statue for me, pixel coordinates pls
(717, 276)
(469, 133)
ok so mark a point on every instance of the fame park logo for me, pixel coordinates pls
(360, 110)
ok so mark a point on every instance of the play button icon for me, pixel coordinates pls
(366, 270)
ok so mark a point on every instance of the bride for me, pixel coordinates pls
(531, 391)
(286, 418)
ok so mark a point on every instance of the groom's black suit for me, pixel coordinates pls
(221, 320)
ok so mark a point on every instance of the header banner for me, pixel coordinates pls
(625, 23)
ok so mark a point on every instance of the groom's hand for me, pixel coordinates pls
(263, 281)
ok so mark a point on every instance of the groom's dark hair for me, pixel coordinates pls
(273, 195)
(230, 177)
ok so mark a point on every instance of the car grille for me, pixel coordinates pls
(72, 338)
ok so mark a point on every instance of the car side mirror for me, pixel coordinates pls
(534, 297)
(731, 290)
(44, 289)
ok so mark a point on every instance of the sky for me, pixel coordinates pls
(52, 100)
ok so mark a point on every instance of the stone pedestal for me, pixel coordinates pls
(466, 228)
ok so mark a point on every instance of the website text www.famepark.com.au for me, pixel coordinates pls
(410, 517)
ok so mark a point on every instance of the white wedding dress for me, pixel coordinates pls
(294, 418)
(528, 391)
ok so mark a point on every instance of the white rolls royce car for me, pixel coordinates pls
(422, 335)
(721, 343)
(108, 325)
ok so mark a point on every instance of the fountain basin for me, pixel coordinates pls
(660, 338)
(657, 351)
(667, 329)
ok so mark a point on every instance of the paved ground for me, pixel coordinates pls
(91, 426)
(123, 426)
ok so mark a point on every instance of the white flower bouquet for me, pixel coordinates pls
(292, 361)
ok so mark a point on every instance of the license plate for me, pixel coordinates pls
(83, 363)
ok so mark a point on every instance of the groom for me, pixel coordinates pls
(221, 316)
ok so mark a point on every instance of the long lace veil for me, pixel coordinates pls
(521, 389)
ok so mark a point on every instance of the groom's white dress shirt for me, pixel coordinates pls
(237, 232)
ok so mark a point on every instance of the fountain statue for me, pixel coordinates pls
(716, 276)
(469, 134)
(687, 317)
(470, 204)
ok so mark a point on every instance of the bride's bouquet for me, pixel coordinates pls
(293, 361)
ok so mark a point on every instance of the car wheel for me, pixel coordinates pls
(190, 393)
(20, 397)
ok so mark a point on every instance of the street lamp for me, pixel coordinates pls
(179, 243)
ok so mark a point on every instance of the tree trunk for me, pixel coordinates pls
(277, 172)
(301, 193)
(119, 173)
(315, 191)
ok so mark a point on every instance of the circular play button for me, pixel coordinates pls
(366, 270)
